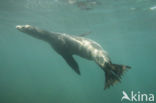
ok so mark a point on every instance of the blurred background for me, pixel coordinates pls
(32, 72)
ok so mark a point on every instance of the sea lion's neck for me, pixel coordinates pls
(42, 34)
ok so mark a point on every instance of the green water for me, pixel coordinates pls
(32, 72)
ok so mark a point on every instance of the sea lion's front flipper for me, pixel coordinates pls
(71, 61)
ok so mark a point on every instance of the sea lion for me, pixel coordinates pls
(69, 45)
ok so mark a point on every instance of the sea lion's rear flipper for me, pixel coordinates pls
(113, 73)
(71, 61)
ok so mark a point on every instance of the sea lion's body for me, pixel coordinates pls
(67, 46)
(83, 47)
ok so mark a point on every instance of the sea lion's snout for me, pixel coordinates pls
(18, 27)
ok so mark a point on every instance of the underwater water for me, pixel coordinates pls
(32, 72)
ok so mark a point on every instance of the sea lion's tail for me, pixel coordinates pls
(113, 73)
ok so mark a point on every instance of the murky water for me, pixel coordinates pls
(32, 72)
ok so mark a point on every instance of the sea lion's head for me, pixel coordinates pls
(33, 31)
(25, 28)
